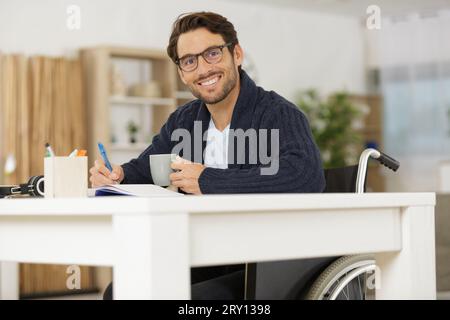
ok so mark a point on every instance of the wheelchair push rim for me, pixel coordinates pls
(343, 277)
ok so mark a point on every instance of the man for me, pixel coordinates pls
(229, 106)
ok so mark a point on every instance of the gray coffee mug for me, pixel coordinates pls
(160, 168)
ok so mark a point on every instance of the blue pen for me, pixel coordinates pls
(101, 148)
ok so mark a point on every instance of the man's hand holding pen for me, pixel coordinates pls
(100, 175)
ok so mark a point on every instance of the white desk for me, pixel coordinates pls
(152, 242)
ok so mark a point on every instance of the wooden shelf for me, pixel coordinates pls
(141, 100)
(373, 131)
(138, 146)
(102, 106)
(371, 128)
(185, 95)
(135, 53)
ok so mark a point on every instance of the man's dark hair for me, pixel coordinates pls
(213, 22)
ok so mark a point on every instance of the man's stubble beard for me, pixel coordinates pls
(228, 86)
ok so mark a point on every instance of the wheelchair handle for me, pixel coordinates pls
(383, 158)
(388, 161)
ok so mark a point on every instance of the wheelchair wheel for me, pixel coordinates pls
(347, 278)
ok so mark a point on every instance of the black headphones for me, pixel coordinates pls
(34, 188)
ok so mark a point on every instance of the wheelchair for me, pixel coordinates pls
(332, 278)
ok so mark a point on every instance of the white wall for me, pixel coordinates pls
(413, 57)
(290, 49)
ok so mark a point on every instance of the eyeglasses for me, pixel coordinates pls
(211, 55)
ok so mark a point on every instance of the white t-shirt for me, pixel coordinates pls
(216, 151)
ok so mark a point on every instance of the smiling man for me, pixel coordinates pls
(238, 119)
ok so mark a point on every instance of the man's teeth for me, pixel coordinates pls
(210, 82)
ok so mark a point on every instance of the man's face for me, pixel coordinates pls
(209, 82)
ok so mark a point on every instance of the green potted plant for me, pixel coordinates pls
(333, 122)
(132, 131)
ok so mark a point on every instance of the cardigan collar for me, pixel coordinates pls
(243, 109)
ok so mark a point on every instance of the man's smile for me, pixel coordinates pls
(210, 82)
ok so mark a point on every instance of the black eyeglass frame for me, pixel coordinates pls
(221, 47)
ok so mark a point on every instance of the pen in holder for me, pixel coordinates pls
(65, 177)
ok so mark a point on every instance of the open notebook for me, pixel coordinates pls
(137, 190)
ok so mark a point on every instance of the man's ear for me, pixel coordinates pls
(180, 73)
(238, 55)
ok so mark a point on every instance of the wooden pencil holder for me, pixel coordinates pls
(65, 177)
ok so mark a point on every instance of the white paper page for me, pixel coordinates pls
(139, 190)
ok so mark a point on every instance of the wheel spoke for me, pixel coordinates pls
(359, 286)
(348, 293)
(346, 280)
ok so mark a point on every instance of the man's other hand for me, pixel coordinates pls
(187, 177)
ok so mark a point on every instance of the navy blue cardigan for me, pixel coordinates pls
(300, 167)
